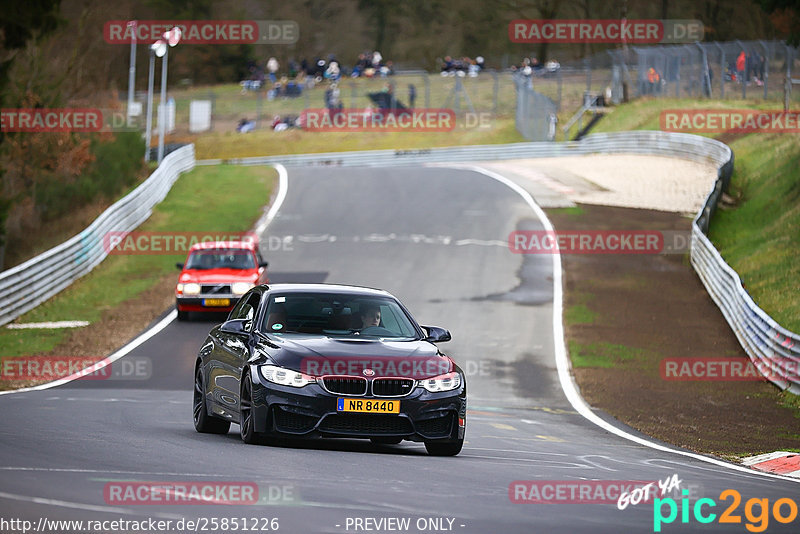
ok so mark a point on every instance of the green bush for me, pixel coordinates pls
(117, 165)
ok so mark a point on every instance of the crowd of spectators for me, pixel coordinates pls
(464, 66)
(370, 65)
(296, 77)
(747, 68)
(305, 74)
(531, 66)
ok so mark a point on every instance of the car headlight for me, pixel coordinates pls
(446, 382)
(240, 288)
(191, 289)
(285, 377)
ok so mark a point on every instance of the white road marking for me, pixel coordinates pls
(482, 242)
(309, 238)
(283, 187)
(562, 360)
(48, 324)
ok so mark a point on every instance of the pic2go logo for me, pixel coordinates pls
(757, 521)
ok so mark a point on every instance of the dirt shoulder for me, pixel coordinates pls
(624, 313)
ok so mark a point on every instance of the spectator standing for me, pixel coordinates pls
(272, 68)
(740, 64)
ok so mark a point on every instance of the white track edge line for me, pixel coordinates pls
(562, 361)
(283, 186)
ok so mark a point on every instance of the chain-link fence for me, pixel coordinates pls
(729, 70)
(536, 114)
(732, 70)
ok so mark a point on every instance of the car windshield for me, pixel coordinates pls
(337, 315)
(221, 259)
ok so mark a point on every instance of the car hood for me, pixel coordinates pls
(318, 356)
(218, 276)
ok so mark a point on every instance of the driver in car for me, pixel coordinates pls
(370, 316)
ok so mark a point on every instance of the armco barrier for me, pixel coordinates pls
(25, 286)
(771, 347)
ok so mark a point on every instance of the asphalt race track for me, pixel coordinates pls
(435, 238)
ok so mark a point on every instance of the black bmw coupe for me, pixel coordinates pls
(321, 360)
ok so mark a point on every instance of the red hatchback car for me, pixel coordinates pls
(216, 274)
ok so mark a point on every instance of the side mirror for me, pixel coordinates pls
(264, 264)
(436, 334)
(236, 326)
(179, 266)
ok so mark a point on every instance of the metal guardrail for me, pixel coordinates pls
(773, 349)
(25, 286)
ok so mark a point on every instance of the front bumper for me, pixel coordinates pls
(311, 411)
(197, 303)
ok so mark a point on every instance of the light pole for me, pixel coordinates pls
(172, 37)
(154, 51)
(132, 68)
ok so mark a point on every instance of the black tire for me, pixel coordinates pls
(387, 440)
(203, 422)
(183, 315)
(444, 448)
(246, 423)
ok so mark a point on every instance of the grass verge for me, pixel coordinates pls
(600, 354)
(265, 141)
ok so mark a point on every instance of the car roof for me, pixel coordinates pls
(329, 288)
(211, 245)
